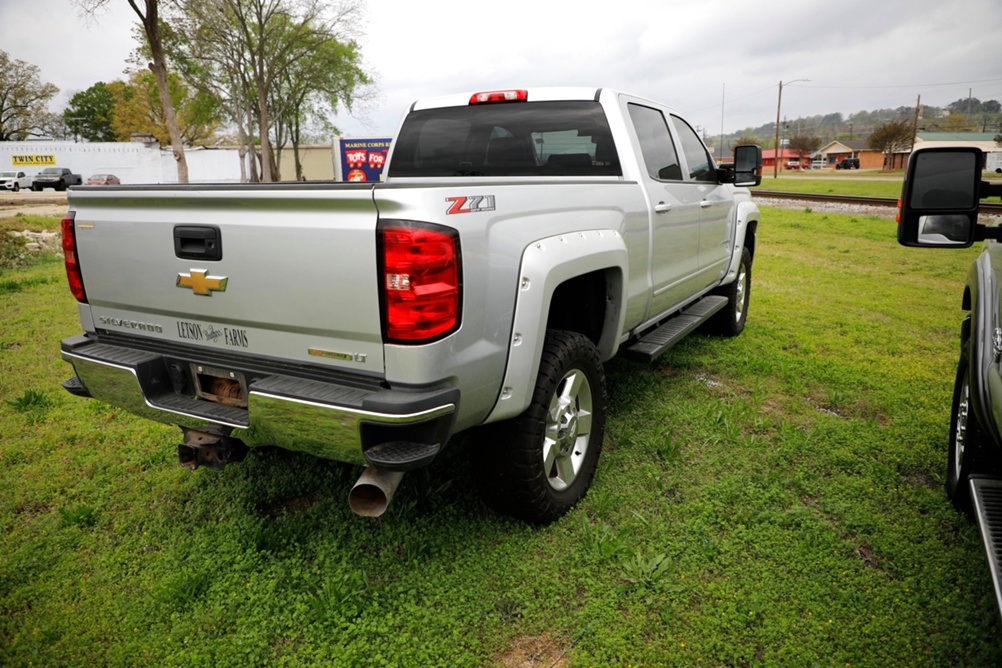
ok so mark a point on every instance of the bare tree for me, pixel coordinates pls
(149, 17)
(804, 145)
(891, 138)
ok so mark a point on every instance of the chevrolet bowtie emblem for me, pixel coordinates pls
(201, 283)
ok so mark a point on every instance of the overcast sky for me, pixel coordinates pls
(719, 62)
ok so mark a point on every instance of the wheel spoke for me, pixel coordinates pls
(584, 423)
(566, 471)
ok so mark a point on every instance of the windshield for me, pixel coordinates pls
(52, 170)
(507, 139)
(6, 175)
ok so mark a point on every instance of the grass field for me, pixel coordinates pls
(774, 499)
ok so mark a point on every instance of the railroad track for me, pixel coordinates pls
(993, 208)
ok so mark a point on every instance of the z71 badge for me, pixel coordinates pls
(470, 204)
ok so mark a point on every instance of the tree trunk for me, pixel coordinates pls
(176, 143)
(151, 26)
(262, 122)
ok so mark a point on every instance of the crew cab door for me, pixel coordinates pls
(716, 236)
(674, 211)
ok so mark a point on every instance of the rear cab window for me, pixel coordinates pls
(553, 138)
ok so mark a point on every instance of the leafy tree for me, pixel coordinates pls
(23, 98)
(955, 123)
(137, 110)
(89, 114)
(153, 29)
(746, 139)
(893, 137)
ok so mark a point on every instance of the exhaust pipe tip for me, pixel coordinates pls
(373, 491)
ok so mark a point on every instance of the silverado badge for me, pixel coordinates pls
(201, 283)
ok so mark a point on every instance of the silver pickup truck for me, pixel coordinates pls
(521, 238)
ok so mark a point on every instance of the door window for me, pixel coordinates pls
(656, 145)
(698, 158)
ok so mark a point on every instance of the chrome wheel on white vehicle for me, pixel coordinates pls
(730, 321)
(568, 430)
(538, 465)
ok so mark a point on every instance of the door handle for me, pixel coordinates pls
(705, 204)
(661, 207)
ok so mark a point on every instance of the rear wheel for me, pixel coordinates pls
(538, 465)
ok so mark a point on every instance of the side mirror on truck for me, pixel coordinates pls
(940, 199)
(747, 168)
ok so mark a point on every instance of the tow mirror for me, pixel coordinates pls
(747, 165)
(940, 198)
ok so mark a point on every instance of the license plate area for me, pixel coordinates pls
(220, 386)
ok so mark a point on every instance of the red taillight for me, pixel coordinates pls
(420, 282)
(499, 96)
(73, 274)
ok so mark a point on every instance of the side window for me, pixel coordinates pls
(656, 143)
(700, 164)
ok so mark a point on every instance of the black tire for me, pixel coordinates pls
(17, 186)
(730, 320)
(538, 465)
(966, 454)
(35, 188)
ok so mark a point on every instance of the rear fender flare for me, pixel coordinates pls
(546, 264)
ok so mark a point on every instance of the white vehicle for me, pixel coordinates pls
(993, 162)
(15, 180)
(521, 239)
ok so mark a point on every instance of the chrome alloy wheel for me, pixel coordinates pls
(568, 429)
(960, 432)
(740, 292)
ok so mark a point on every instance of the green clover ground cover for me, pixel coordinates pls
(774, 499)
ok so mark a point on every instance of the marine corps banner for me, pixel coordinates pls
(363, 159)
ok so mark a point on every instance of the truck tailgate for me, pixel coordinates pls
(295, 278)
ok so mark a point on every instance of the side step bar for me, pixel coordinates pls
(986, 495)
(674, 330)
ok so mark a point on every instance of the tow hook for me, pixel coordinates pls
(203, 449)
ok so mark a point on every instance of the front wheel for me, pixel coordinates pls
(730, 320)
(538, 465)
(966, 452)
(17, 186)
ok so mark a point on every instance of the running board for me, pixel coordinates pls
(674, 330)
(986, 495)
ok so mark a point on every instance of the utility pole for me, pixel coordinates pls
(779, 104)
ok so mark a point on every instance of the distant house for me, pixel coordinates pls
(835, 152)
(786, 156)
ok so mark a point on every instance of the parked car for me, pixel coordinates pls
(15, 180)
(103, 180)
(59, 178)
(818, 164)
(793, 164)
(848, 163)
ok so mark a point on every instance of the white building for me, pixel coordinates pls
(131, 162)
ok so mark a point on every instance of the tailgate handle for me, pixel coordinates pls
(198, 242)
